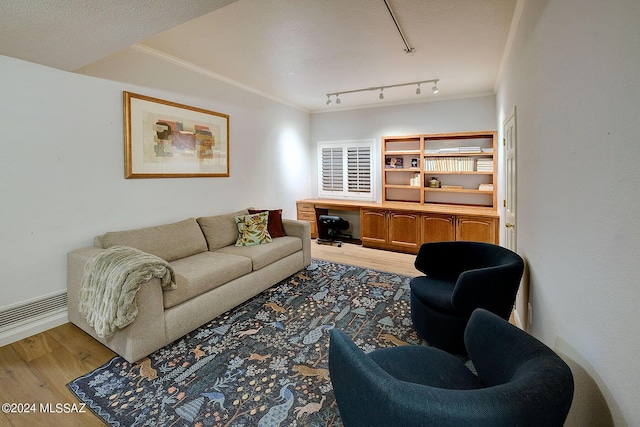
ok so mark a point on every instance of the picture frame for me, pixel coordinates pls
(394, 163)
(164, 139)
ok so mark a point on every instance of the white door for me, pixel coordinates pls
(521, 313)
(509, 132)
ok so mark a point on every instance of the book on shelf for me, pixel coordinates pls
(449, 150)
(448, 164)
(484, 165)
(401, 152)
(485, 187)
(487, 150)
(470, 150)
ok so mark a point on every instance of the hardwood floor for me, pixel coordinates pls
(393, 262)
(35, 370)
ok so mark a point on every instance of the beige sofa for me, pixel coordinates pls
(212, 276)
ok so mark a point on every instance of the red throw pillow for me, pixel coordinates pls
(274, 226)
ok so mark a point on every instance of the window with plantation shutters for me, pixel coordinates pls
(332, 169)
(346, 169)
(359, 169)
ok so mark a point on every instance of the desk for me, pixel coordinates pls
(405, 226)
(310, 209)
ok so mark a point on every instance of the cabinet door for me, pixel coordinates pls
(404, 229)
(373, 226)
(477, 229)
(438, 228)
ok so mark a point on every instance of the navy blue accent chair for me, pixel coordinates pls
(520, 381)
(460, 277)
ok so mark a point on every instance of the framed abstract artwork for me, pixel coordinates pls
(163, 139)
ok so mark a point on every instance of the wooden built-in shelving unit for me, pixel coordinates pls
(465, 163)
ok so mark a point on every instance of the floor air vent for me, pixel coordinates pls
(13, 316)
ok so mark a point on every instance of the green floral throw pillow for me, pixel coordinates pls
(252, 229)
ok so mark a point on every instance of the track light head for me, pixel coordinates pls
(435, 89)
(418, 89)
(328, 100)
(381, 94)
(338, 101)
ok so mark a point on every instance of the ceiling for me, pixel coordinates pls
(295, 51)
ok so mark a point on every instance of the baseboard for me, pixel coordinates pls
(25, 330)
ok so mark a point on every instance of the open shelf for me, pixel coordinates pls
(458, 190)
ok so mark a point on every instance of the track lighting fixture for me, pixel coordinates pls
(408, 49)
(434, 89)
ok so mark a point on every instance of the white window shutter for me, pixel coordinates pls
(359, 169)
(346, 169)
(332, 169)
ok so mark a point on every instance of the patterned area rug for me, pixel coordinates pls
(265, 363)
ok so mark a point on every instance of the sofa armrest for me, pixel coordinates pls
(301, 229)
(144, 335)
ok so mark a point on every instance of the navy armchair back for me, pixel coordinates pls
(520, 381)
(460, 277)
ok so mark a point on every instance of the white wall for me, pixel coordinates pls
(573, 75)
(455, 115)
(62, 166)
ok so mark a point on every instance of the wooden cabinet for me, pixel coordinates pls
(444, 227)
(307, 212)
(463, 167)
(438, 227)
(464, 163)
(403, 227)
(373, 227)
(477, 229)
(394, 230)
(405, 231)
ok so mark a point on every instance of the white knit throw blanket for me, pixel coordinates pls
(110, 281)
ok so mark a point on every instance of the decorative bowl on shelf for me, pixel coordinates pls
(434, 182)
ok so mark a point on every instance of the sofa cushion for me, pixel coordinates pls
(252, 229)
(220, 230)
(169, 241)
(274, 226)
(263, 255)
(200, 273)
